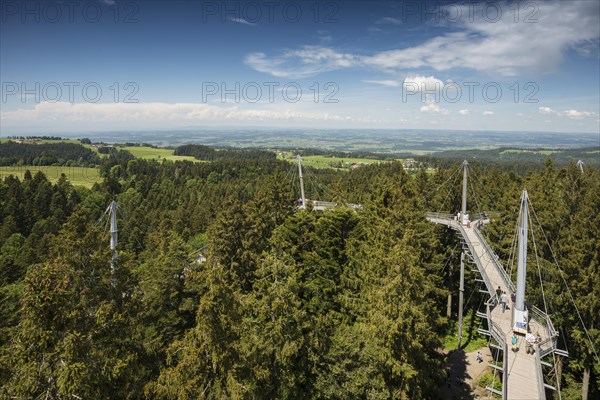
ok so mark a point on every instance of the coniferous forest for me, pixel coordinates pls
(285, 303)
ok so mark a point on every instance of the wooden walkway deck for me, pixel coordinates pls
(524, 380)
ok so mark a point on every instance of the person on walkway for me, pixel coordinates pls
(504, 301)
(498, 293)
(479, 357)
(514, 341)
(530, 340)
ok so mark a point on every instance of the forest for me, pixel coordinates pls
(208, 153)
(288, 303)
(518, 159)
(13, 153)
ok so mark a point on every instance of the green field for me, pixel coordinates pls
(544, 152)
(151, 153)
(78, 176)
(321, 161)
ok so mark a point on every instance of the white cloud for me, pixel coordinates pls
(463, 112)
(241, 21)
(419, 83)
(571, 114)
(519, 114)
(389, 83)
(547, 110)
(158, 112)
(389, 20)
(487, 113)
(108, 2)
(574, 114)
(502, 47)
(324, 36)
(302, 63)
(432, 107)
(427, 86)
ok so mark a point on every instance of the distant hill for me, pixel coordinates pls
(513, 155)
(389, 141)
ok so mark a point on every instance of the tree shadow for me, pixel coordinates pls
(456, 386)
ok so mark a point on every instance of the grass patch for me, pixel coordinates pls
(154, 153)
(544, 152)
(330, 162)
(487, 379)
(471, 339)
(78, 176)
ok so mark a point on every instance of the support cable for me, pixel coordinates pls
(543, 294)
(449, 190)
(567, 286)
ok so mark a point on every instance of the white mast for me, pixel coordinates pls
(114, 233)
(301, 181)
(463, 221)
(520, 314)
(463, 213)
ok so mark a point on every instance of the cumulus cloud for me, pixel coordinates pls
(502, 47)
(571, 114)
(432, 107)
(463, 112)
(428, 86)
(574, 114)
(487, 113)
(547, 110)
(419, 83)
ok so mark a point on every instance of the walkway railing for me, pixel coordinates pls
(538, 371)
(494, 258)
(449, 217)
(326, 205)
(498, 335)
(548, 345)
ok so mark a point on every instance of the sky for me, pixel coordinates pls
(99, 65)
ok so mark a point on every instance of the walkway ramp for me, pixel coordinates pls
(522, 373)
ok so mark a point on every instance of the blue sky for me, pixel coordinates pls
(79, 66)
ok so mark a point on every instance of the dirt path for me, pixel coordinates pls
(464, 372)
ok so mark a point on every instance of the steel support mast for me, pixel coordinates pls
(520, 314)
(301, 181)
(463, 211)
(114, 233)
(461, 288)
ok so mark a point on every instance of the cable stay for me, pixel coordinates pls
(562, 276)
